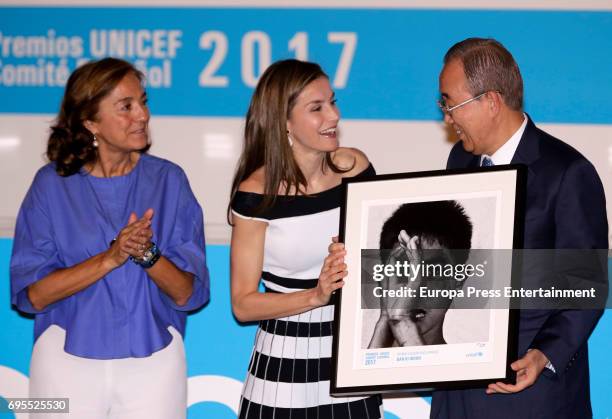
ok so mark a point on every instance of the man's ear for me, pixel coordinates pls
(495, 101)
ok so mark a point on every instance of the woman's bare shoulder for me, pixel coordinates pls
(255, 183)
(353, 158)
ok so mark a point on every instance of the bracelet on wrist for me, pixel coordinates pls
(149, 257)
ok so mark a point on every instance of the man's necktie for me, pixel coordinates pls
(487, 162)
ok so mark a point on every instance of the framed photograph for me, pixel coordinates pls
(427, 254)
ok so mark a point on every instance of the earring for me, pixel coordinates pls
(289, 139)
(95, 141)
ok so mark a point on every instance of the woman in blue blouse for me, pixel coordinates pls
(109, 256)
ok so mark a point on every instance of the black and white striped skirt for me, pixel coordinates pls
(290, 369)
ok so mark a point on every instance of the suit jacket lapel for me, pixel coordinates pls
(528, 150)
(475, 162)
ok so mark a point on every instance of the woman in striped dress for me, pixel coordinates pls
(284, 211)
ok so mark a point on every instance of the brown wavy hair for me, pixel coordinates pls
(265, 131)
(70, 144)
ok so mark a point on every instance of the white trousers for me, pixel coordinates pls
(154, 387)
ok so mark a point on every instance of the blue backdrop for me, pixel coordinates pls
(204, 62)
(211, 55)
(217, 345)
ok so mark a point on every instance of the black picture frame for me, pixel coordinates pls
(503, 187)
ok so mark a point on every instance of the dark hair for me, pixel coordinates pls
(489, 66)
(70, 144)
(444, 221)
(265, 131)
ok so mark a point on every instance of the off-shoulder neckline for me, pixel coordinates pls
(325, 191)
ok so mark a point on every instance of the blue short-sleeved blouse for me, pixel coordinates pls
(66, 220)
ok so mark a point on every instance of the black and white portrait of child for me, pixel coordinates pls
(430, 232)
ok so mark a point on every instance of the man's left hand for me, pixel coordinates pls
(528, 369)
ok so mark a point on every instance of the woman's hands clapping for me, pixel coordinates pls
(132, 240)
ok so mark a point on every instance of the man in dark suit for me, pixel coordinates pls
(482, 100)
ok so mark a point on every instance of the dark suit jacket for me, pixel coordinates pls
(565, 209)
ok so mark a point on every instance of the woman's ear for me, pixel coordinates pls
(90, 126)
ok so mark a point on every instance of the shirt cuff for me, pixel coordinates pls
(548, 365)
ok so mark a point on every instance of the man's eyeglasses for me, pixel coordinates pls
(448, 109)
